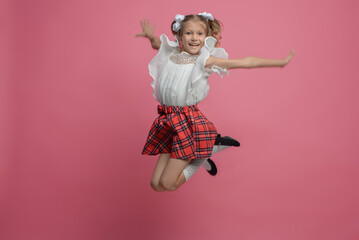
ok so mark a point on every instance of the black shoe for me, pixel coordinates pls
(226, 141)
(213, 170)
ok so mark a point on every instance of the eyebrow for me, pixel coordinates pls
(194, 31)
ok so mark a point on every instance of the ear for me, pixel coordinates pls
(179, 40)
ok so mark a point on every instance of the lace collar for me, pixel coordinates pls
(182, 57)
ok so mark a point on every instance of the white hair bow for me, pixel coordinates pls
(207, 16)
(177, 25)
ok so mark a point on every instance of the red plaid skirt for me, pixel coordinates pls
(182, 131)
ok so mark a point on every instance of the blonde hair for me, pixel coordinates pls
(213, 28)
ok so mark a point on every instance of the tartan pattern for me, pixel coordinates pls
(182, 131)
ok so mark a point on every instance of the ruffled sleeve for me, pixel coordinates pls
(199, 87)
(159, 62)
(209, 50)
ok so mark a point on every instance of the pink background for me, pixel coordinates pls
(76, 106)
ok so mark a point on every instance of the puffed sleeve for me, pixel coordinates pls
(209, 50)
(199, 87)
(159, 62)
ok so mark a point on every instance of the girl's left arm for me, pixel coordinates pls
(248, 62)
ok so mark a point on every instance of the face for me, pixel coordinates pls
(194, 34)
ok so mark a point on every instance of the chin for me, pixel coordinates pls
(193, 51)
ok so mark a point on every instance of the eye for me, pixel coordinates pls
(200, 33)
(188, 33)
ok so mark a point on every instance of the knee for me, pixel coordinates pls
(156, 186)
(168, 185)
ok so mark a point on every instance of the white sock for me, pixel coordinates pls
(206, 165)
(192, 167)
(216, 148)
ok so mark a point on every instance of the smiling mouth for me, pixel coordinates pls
(194, 44)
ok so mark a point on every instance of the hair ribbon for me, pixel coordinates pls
(177, 25)
(207, 16)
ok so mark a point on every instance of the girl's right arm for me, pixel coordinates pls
(147, 31)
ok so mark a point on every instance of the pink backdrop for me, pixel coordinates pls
(76, 106)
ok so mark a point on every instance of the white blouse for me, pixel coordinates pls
(179, 78)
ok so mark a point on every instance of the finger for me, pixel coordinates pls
(139, 35)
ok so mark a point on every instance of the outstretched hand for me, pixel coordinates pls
(147, 30)
(290, 56)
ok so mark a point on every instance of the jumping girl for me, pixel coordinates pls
(181, 134)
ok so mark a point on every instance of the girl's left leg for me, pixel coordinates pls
(172, 176)
(156, 176)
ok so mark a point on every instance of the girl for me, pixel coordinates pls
(181, 134)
